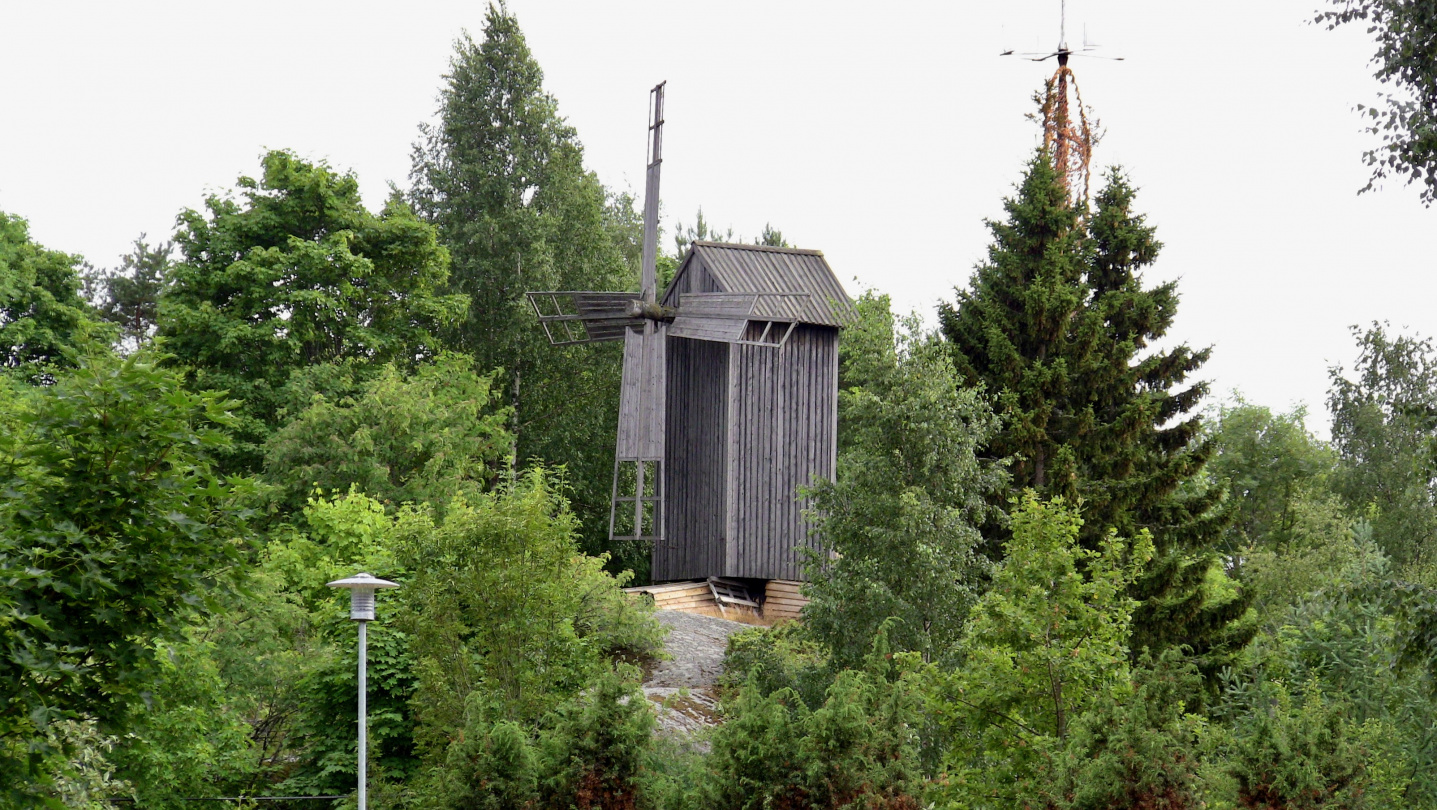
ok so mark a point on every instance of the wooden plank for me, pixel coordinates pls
(686, 597)
(732, 442)
(685, 593)
(667, 587)
(667, 603)
(788, 603)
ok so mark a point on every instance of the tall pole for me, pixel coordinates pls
(361, 609)
(648, 276)
(363, 715)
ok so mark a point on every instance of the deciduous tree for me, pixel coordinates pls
(1044, 643)
(421, 439)
(43, 320)
(1405, 121)
(114, 527)
(1269, 462)
(902, 517)
(297, 273)
(1384, 427)
(501, 177)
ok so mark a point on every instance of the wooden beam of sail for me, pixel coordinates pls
(570, 317)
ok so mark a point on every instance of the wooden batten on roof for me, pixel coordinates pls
(722, 267)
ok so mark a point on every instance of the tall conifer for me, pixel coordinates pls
(1058, 327)
(501, 177)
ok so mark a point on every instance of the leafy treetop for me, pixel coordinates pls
(1406, 121)
(294, 274)
(43, 319)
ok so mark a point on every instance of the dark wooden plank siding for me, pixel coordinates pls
(694, 461)
(786, 408)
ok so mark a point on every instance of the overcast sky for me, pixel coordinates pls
(881, 134)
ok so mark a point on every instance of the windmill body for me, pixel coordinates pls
(752, 409)
(729, 397)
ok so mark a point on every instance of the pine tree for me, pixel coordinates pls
(1058, 327)
(501, 177)
(129, 295)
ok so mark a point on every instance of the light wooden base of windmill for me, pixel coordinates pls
(761, 602)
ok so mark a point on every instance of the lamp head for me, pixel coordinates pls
(361, 594)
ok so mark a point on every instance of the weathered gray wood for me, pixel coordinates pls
(755, 268)
(695, 460)
(732, 462)
(648, 280)
(783, 405)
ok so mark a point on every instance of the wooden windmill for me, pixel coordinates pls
(728, 402)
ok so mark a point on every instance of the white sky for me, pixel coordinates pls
(880, 134)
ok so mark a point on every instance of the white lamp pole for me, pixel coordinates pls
(361, 609)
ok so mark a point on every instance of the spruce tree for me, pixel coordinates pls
(1058, 327)
(501, 177)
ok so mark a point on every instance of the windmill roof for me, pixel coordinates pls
(737, 268)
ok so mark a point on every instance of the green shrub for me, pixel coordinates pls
(1294, 752)
(770, 659)
(1135, 749)
(595, 745)
(859, 749)
(492, 767)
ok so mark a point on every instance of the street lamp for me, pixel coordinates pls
(361, 609)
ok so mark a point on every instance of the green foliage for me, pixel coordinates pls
(499, 600)
(502, 179)
(597, 743)
(113, 528)
(129, 296)
(782, 657)
(903, 515)
(491, 766)
(79, 774)
(1384, 427)
(417, 440)
(1135, 747)
(1060, 329)
(285, 653)
(43, 320)
(323, 728)
(1333, 707)
(1319, 539)
(1046, 641)
(700, 231)
(1295, 753)
(858, 749)
(298, 273)
(589, 753)
(187, 738)
(1406, 121)
(1270, 463)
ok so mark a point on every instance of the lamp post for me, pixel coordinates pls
(361, 609)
